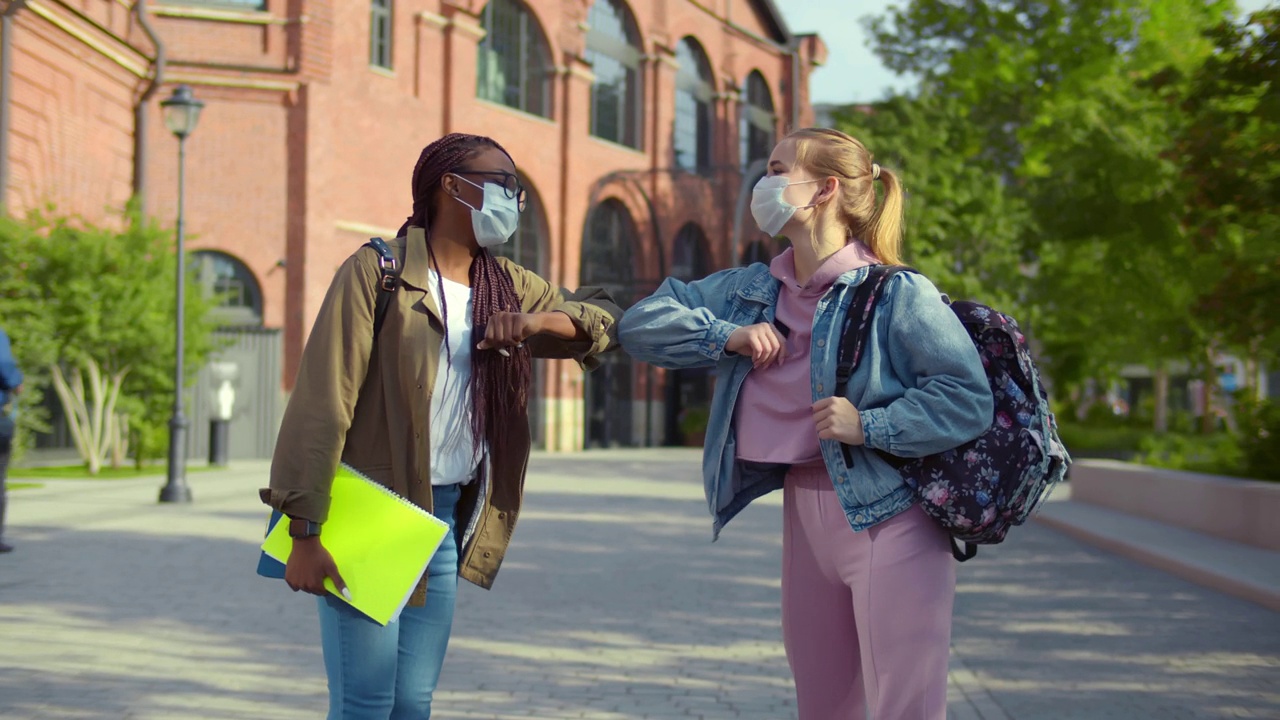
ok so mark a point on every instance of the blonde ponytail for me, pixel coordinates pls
(877, 222)
(884, 230)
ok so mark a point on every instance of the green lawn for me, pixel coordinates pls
(106, 473)
(22, 485)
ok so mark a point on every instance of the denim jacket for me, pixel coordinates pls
(920, 386)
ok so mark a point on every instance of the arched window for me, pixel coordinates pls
(232, 283)
(607, 262)
(756, 252)
(613, 49)
(694, 92)
(525, 247)
(691, 256)
(514, 66)
(758, 124)
(607, 251)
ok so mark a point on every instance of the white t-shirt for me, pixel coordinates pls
(453, 450)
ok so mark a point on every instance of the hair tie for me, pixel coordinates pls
(875, 171)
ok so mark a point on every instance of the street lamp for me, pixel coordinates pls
(181, 114)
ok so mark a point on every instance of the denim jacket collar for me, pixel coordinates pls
(854, 277)
(763, 287)
(760, 288)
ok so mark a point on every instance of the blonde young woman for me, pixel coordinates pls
(868, 579)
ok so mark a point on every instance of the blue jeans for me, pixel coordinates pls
(391, 672)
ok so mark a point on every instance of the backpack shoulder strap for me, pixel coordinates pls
(857, 327)
(857, 322)
(390, 280)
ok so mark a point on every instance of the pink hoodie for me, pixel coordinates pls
(774, 415)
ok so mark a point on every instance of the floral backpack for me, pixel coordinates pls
(982, 488)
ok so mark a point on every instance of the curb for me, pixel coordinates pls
(1168, 561)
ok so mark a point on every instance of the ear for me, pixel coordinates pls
(827, 190)
(449, 183)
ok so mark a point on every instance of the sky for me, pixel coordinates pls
(853, 73)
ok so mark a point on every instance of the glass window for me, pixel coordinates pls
(695, 90)
(380, 33)
(756, 252)
(758, 123)
(229, 4)
(514, 66)
(691, 256)
(525, 247)
(232, 283)
(606, 252)
(613, 49)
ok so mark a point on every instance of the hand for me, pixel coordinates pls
(508, 329)
(309, 564)
(838, 419)
(762, 342)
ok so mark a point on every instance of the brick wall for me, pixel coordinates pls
(304, 150)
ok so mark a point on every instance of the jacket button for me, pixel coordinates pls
(488, 554)
(821, 343)
(502, 516)
(419, 387)
(819, 387)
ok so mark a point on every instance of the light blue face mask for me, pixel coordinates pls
(770, 210)
(497, 220)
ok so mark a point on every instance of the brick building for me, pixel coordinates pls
(636, 124)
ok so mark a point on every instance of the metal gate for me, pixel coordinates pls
(244, 375)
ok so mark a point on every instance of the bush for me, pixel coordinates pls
(1108, 440)
(72, 291)
(1259, 437)
(1218, 454)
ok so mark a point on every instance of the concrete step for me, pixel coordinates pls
(1244, 571)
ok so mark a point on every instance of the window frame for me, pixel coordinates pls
(531, 43)
(249, 310)
(613, 266)
(382, 56)
(628, 53)
(697, 87)
(756, 118)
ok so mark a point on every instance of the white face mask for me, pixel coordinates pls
(497, 220)
(768, 207)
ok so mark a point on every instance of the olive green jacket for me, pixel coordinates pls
(368, 404)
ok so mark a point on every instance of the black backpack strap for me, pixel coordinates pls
(963, 551)
(857, 327)
(390, 280)
(857, 322)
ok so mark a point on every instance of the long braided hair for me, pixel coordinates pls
(499, 386)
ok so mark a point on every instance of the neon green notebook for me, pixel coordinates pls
(381, 543)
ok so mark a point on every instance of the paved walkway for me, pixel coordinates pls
(612, 605)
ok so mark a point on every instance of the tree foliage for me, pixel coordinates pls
(80, 292)
(1130, 152)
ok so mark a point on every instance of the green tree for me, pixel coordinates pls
(964, 227)
(107, 295)
(1231, 162)
(1062, 96)
(25, 319)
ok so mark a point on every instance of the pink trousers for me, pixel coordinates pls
(866, 616)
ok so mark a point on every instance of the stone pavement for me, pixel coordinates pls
(612, 604)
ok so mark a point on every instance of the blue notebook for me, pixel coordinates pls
(267, 565)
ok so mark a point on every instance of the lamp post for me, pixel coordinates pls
(181, 114)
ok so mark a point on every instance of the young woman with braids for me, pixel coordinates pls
(868, 579)
(435, 408)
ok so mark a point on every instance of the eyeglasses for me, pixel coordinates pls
(510, 183)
